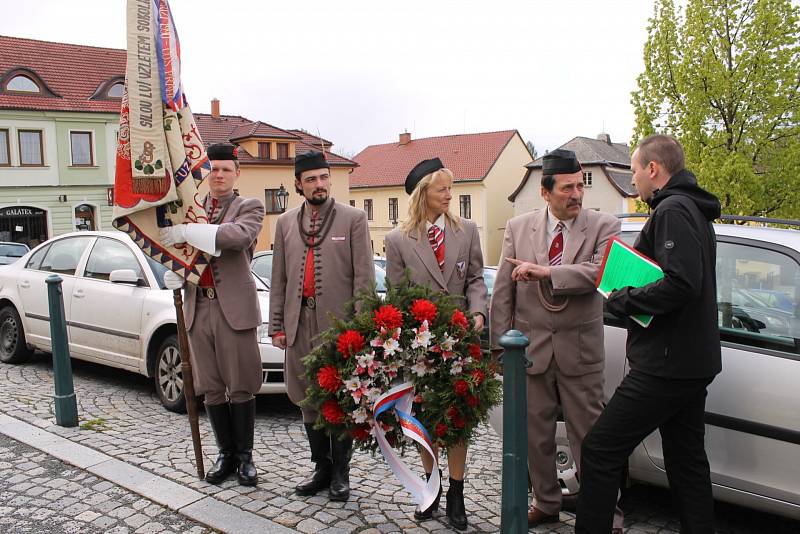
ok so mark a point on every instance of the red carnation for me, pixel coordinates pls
(332, 412)
(459, 320)
(423, 310)
(329, 379)
(360, 433)
(418, 399)
(451, 412)
(461, 387)
(475, 352)
(350, 342)
(388, 317)
(441, 430)
(472, 400)
(478, 376)
(459, 422)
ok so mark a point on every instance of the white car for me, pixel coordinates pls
(118, 311)
(753, 406)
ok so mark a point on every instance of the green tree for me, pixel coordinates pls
(723, 77)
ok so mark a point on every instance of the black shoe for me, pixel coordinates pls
(243, 416)
(428, 512)
(320, 479)
(220, 418)
(341, 452)
(456, 513)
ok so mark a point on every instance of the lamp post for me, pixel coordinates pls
(283, 196)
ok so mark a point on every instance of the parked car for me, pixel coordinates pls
(11, 252)
(753, 406)
(118, 311)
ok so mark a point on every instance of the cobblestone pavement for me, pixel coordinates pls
(39, 494)
(121, 417)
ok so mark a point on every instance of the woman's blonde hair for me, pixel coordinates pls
(418, 205)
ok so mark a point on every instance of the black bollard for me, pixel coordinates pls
(66, 405)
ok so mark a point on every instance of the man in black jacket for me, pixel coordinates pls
(674, 359)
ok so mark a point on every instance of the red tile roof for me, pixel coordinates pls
(469, 156)
(225, 128)
(72, 72)
(261, 129)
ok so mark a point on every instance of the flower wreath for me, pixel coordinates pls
(415, 335)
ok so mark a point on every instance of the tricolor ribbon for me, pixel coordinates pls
(400, 398)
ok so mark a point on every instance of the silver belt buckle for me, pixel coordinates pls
(311, 302)
(209, 292)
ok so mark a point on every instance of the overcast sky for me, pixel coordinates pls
(361, 72)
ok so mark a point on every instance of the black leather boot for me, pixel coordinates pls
(243, 415)
(428, 512)
(341, 452)
(456, 513)
(219, 416)
(320, 479)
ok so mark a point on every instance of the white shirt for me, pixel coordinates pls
(438, 222)
(552, 222)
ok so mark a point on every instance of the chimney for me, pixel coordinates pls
(604, 137)
(215, 108)
(405, 138)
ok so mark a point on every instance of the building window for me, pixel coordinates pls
(283, 150)
(271, 201)
(30, 148)
(368, 208)
(353, 202)
(587, 179)
(23, 84)
(5, 149)
(465, 205)
(81, 149)
(263, 150)
(393, 209)
(116, 90)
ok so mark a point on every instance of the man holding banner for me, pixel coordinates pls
(222, 315)
(322, 258)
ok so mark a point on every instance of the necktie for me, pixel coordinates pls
(309, 284)
(436, 238)
(207, 278)
(557, 246)
(212, 211)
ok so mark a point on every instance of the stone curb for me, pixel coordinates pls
(185, 501)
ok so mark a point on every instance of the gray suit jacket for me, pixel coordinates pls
(463, 262)
(236, 289)
(573, 336)
(343, 267)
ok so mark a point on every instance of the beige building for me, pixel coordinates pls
(266, 157)
(487, 166)
(606, 175)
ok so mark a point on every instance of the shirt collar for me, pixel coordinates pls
(552, 222)
(438, 222)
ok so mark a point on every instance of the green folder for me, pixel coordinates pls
(624, 266)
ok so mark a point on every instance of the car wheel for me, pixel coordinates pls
(168, 375)
(13, 348)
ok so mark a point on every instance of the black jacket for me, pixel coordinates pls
(682, 341)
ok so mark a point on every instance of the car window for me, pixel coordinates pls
(65, 254)
(35, 261)
(12, 250)
(262, 266)
(158, 271)
(110, 255)
(751, 281)
(488, 278)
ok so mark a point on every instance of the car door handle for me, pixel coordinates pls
(79, 294)
(24, 284)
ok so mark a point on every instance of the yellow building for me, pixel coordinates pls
(266, 158)
(606, 177)
(487, 167)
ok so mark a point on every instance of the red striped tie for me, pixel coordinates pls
(557, 246)
(436, 238)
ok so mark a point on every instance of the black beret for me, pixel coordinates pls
(223, 151)
(310, 160)
(420, 171)
(560, 161)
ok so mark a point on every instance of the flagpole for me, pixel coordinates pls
(188, 384)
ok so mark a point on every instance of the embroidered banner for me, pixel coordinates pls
(159, 146)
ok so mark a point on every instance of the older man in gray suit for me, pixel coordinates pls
(222, 315)
(546, 289)
(322, 258)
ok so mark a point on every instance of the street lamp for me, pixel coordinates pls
(283, 196)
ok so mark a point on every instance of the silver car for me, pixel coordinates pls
(753, 406)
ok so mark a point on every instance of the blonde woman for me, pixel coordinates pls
(444, 252)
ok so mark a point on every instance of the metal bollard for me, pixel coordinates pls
(514, 515)
(66, 405)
